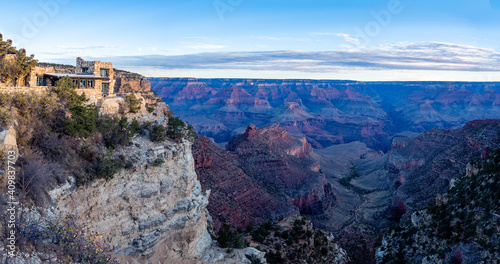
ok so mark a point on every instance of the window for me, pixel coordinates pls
(83, 84)
(41, 81)
(85, 70)
(90, 84)
(105, 88)
(104, 73)
(75, 83)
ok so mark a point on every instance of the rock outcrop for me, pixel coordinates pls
(428, 163)
(150, 213)
(155, 211)
(236, 198)
(263, 174)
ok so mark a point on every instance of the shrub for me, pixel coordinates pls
(158, 162)
(158, 134)
(116, 131)
(260, 234)
(230, 239)
(133, 103)
(345, 182)
(151, 109)
(133, 128)
(68, 238)
(175, 128)
(108, 166)
(274, 257)
(83, 120)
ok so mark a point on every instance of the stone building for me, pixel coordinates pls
(94, 78)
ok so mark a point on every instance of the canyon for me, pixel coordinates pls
(327, 112)
(352, 157)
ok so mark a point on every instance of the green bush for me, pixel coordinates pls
(260, 234)
(133, 103)
(230, 239)
(116, 131)
(83, 121)
(345, 182)
(17, 69)
(133, 128)
(158, 133)
(175, 128)
(158, 162)
(108, 166)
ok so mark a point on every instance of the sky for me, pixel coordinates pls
(368, 40)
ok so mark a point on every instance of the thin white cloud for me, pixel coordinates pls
(346, 37)
(418, 56)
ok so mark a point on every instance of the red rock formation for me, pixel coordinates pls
(264, 173)
(236, 198)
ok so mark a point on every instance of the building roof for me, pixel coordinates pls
(75, 76)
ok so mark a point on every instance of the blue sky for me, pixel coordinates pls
(335, 39)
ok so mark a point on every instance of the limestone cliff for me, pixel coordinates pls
(149, 213)
(154, 212)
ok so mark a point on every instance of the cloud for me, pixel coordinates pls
(206, 46)
(346, 37)
(431, 56)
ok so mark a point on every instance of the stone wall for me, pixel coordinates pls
(39, 72)
(94, 67)
(93, 94)
(12, 89)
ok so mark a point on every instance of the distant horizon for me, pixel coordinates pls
(145, 72)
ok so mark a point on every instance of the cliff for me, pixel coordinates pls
(149, 213)
(105, 176)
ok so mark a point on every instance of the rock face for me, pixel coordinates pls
(327, 112)
(149, 213)
(460, 226)
(127, 82)
(427, 164)
(154, 212)
(265, 154)
(263, 174)
(236, 198)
